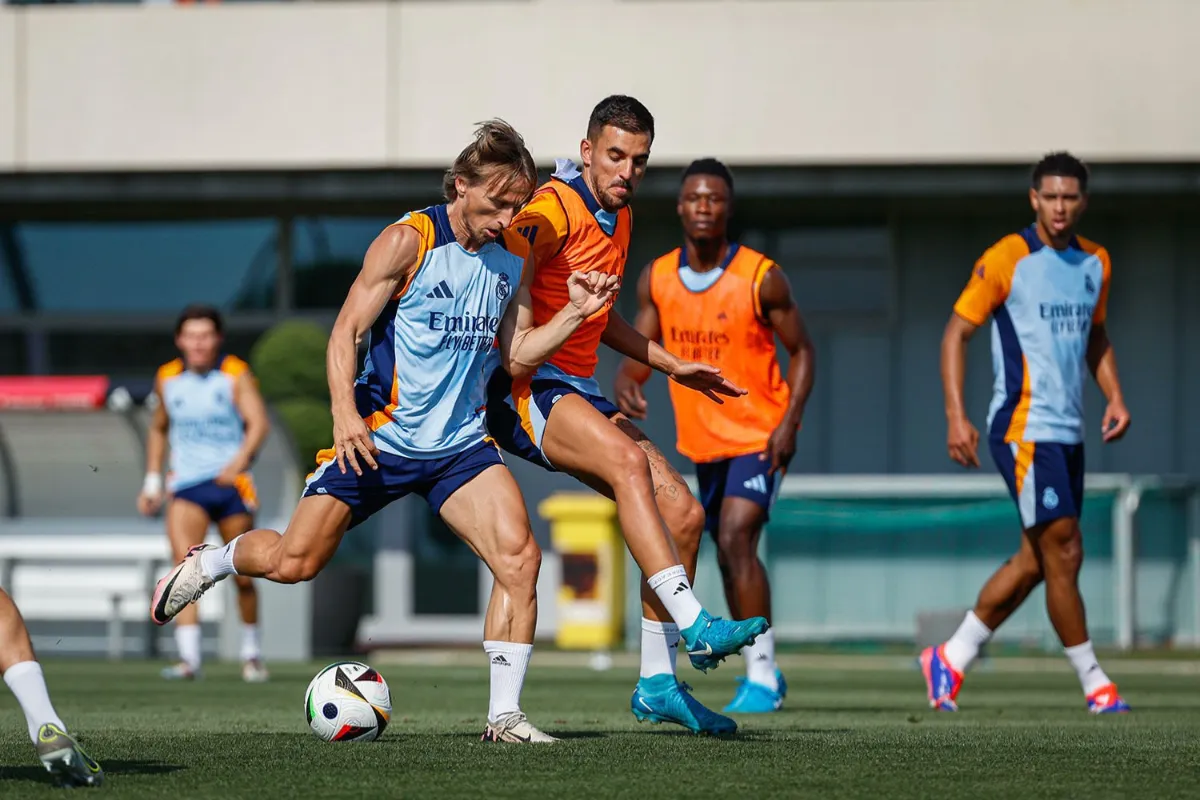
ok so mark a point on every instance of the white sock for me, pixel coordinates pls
(963, 646)
(251, 648)
(1083, 659)
(660, 641)
(187, 640)
(672, 587)
(29, 685)
(218, 563)
(509, 661)
(760, 661)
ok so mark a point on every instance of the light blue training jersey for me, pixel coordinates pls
(206, 429)
(422, 388)
(1043, 303)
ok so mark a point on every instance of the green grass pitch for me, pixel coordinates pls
(853, 727)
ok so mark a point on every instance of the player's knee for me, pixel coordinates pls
(244, 584)
(296, 569)
(736, 546)
(1028, 566)
(1065, 547)
(628, 465)
(518, 563)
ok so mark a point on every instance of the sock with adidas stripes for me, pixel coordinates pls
(660, 642)
(675, 591)
(508, 661)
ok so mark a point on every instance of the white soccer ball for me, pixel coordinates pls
(348, 702)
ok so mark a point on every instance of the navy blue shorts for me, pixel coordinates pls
(741, 476)
(434, 479)
(516, 416)
(221, 502)
(1044, 478)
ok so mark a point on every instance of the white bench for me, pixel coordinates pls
(53, 575)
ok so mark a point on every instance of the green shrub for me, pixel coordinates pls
(289, 361)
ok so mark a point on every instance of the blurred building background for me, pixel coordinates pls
(245, 154)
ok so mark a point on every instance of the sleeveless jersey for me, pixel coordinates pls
(721, 324)
(422, 388)
(1043, 303)
(206, 429)
(570, 232)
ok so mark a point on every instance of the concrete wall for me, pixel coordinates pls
(400, 84)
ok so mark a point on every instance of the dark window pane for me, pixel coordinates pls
(150, 266)
(328, 253)
(12, 353)
(838, 270)
(127, 355)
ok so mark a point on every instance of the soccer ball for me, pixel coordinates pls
(348, 702)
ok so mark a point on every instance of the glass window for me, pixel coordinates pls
(327, 253)
(9, 300)
(150, 266)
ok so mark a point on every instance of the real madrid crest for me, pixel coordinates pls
(503, 288)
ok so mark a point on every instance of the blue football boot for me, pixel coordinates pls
(710, 640)
(662, 698)
(755, 698)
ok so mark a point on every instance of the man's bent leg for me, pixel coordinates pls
(1002, 595)
(580, 440)
(488, 513)
(310, 540)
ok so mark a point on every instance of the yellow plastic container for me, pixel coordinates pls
(591, 598)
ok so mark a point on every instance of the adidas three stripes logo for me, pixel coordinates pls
(441, 291)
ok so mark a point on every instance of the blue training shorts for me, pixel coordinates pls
(741, 476)
(516, 415)
(434, 479)
(221, 502)
(1044, 478)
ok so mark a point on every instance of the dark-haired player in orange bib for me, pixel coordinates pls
(554, 414)
(722, 303)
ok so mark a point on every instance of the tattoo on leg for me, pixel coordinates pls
(667, 480)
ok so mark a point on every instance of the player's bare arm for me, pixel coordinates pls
(962, 439)
(704, 378)
(779, 307)
(1102, 361)
(389, 262)
(525, 347)
(253, 411)
(633, 374)
(150, 499)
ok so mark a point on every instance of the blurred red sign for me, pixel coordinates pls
(47, 392)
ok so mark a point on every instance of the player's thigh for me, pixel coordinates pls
(314, 533)
(580, 440)
(488, 513)
(187, 524)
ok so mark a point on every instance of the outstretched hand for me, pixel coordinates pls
(592, 291)
(706, 379)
